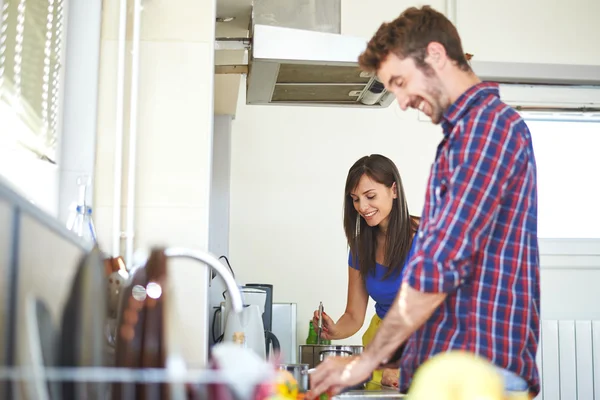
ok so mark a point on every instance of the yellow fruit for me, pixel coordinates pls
(456, 375)
(286, 385)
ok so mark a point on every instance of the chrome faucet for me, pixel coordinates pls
(237, 304)
(210, 260)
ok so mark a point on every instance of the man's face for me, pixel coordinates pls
(414, 87)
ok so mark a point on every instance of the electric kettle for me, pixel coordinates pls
(250, 321)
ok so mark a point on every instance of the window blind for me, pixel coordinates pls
(31, 44)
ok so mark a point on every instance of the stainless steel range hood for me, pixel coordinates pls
(293, 66)
(299, 57)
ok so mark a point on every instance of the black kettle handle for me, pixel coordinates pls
(271, 338)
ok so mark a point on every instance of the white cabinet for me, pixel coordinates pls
(361, 18)
(536, 31)
(532, 31)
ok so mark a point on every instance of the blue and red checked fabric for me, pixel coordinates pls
(477, 240)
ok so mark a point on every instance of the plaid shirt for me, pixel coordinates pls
(478, 240)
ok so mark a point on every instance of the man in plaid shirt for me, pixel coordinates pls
(473, 281)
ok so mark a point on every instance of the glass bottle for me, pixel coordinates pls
(312, 334)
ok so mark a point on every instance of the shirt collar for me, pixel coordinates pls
(465, 101)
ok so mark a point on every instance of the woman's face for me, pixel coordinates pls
(373, 201)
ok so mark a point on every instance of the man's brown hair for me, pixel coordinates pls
(409, 35)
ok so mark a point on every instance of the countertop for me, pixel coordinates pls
(370, 395)
(382, 392)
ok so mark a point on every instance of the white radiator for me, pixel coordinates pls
(569, 360)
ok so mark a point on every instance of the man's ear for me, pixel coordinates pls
(436, 54)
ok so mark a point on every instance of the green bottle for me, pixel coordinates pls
(312, 334)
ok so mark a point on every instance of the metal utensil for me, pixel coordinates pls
(320, 324)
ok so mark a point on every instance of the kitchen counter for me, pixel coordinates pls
(371, 394)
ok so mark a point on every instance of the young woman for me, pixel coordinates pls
(380, 231)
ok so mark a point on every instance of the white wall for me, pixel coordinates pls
(174, 149)
(289, 164)
(80, 87)
(218, 240)
(288, 172)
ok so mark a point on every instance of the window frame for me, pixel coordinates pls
(567, 97)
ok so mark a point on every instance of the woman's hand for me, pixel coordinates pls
(329, 329)
(390, 377)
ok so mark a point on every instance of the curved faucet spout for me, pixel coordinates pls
(236, 295)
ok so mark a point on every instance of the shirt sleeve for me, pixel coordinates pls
(482, 155)
(351, 260)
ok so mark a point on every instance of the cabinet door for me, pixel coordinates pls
(361, 18)
(541, 31)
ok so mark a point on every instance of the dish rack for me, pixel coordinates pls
(98, 383)
(41, 260)
(39, 380)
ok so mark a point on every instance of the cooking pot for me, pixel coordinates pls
(334, 352)
(313, 354)
(300, 373)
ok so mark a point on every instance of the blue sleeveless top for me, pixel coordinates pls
(383, 291)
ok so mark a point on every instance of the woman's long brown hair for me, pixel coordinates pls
(401, 226)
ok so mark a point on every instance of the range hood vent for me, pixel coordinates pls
(324, 83)
(299, 57)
